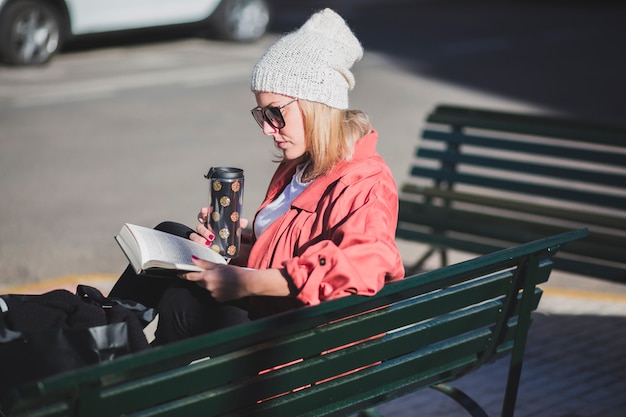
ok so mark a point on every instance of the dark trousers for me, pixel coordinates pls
(185, 309)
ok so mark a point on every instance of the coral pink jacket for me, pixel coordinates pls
(338, 237)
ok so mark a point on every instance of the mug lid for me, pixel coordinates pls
(228, 173)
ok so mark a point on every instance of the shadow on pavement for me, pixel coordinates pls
(564, 56)
(567, 57)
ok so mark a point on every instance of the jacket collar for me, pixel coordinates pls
(363, 149)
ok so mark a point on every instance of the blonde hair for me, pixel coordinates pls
(330, 135)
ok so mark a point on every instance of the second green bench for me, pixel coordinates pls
(483, 180)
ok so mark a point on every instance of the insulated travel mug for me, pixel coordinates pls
(226, 203)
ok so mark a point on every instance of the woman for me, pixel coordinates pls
(326, 227)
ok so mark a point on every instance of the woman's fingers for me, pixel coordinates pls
(221, 281)
(202, 263)
(204, 235)
(203, 215)
(198, 277)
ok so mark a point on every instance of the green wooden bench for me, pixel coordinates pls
(424, 331)
(485, 180)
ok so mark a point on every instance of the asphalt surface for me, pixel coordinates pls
(122, 130)
(116, 131)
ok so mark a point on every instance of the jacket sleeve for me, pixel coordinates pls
(359, 254)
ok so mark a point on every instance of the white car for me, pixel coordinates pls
(32, 31)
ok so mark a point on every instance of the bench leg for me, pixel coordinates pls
(462, 398)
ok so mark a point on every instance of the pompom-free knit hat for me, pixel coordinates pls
(312, 63)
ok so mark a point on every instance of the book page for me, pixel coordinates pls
(170, 249)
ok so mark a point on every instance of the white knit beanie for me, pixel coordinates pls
(312, 63)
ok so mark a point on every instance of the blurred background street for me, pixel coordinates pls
(122, 129)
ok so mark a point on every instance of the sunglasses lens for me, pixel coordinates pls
(271, 115)
(258, 116)
(274, 117)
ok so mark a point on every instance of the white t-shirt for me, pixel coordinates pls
(282, 203)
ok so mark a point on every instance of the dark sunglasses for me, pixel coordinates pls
(271, 115)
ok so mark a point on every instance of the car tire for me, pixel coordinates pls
(30, 32)
(241, 20)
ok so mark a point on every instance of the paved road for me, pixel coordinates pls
(122, 131)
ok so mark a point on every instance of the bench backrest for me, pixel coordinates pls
(483, 180)
(420, 331)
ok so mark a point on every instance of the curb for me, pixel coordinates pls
(104, 282)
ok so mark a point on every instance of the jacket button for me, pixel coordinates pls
(322, 261)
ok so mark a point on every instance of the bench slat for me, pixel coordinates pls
(314, 403)
(494, 226)
(614, 201)
(536, 125)
(502, 164)
(320, 368)
(594, 268)
(413, 192)
(529, 146)
(398, 375)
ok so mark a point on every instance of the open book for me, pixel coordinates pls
(157, 253)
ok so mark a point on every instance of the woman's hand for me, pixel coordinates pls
(204, 235)
(228, 282)
(224, 282)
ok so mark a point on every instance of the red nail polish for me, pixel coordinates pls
(194, 257)
(211, 237)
